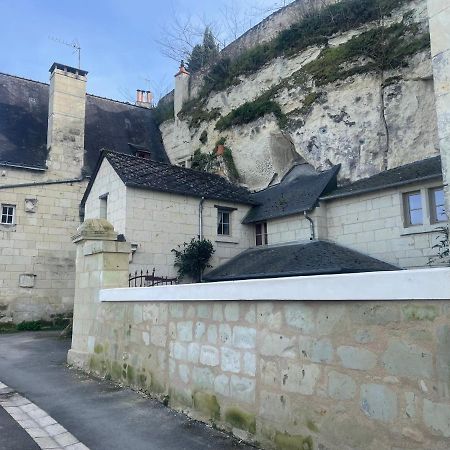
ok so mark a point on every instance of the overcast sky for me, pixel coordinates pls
(118, 38)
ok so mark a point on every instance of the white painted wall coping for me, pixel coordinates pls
(416, 284)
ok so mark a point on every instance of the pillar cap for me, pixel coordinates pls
(95, 229)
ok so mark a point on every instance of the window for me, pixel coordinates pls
(261, 233)
(103, 206)
(437, 205)
(223, 222)
(413, 208)
(8, 214)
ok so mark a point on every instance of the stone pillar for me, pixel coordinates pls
(439, 20)
(101, 262)
(66, 121)
(181, 94)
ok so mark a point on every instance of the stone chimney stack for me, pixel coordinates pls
(66, 121)
(181, 94)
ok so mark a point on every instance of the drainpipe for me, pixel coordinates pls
(311, 223)
(200, 218)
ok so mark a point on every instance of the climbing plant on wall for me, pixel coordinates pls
(191, 259)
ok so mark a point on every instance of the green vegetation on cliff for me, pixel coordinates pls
(250, 111)
(313, 29)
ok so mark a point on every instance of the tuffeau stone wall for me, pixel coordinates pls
(372, 375)
(287, 374)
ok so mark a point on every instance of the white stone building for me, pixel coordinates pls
(304, 225)
(50, 139)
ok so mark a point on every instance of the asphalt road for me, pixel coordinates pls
(101, 415)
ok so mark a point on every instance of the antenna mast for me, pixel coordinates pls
(74, 44)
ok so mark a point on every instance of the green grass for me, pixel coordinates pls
(57, 323)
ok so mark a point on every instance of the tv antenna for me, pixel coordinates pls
(74, 44)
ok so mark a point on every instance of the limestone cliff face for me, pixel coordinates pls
(367, 121)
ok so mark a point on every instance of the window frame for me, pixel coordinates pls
(13, 215)
(220, 215)
(407, 208)
(263, 234)
(103, 207)
(433, 205)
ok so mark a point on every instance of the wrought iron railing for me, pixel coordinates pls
(148, 279)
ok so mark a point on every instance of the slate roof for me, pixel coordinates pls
(147, 174)
(109, 124)
(295, 259)
(426, 169)
(292, 197)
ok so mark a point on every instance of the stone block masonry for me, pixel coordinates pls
(291, 374)
(358, 375)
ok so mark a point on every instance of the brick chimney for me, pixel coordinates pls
(144, 99)
(181, 94)
(66, 121)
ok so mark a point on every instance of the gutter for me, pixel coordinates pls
(18, 166)
(311, 223)
(200, 218)
(42, 183)
(329, 271)
(379, 188)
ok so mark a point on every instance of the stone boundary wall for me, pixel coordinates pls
(371, 375)
(290, 363)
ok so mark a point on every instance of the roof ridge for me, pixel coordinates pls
(118, 101)
(297, 180)
(391, 170)
(23, 78)
(87, 93)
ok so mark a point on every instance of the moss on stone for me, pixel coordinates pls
(98, 348)
(285, 441)
(376, 50)
(131, 374)
(179, 398)
(250, 111)
(207, 404)
(420, 312)
(98, 365)
(116, 370)
(313, 29)
(308, 102)
(155, 386)
(312, 426)
(241, 419)
(142, 380)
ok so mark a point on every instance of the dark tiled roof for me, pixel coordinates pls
(109, 124)
(147, 174)
(286, 198)
(426, 169)
(305, 258)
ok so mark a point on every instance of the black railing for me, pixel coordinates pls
(146, 279)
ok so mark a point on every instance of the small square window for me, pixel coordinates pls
(8, 215)
(261, 233)
(412, 202)
(223, 222)
(437, 205)
(103, 213)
